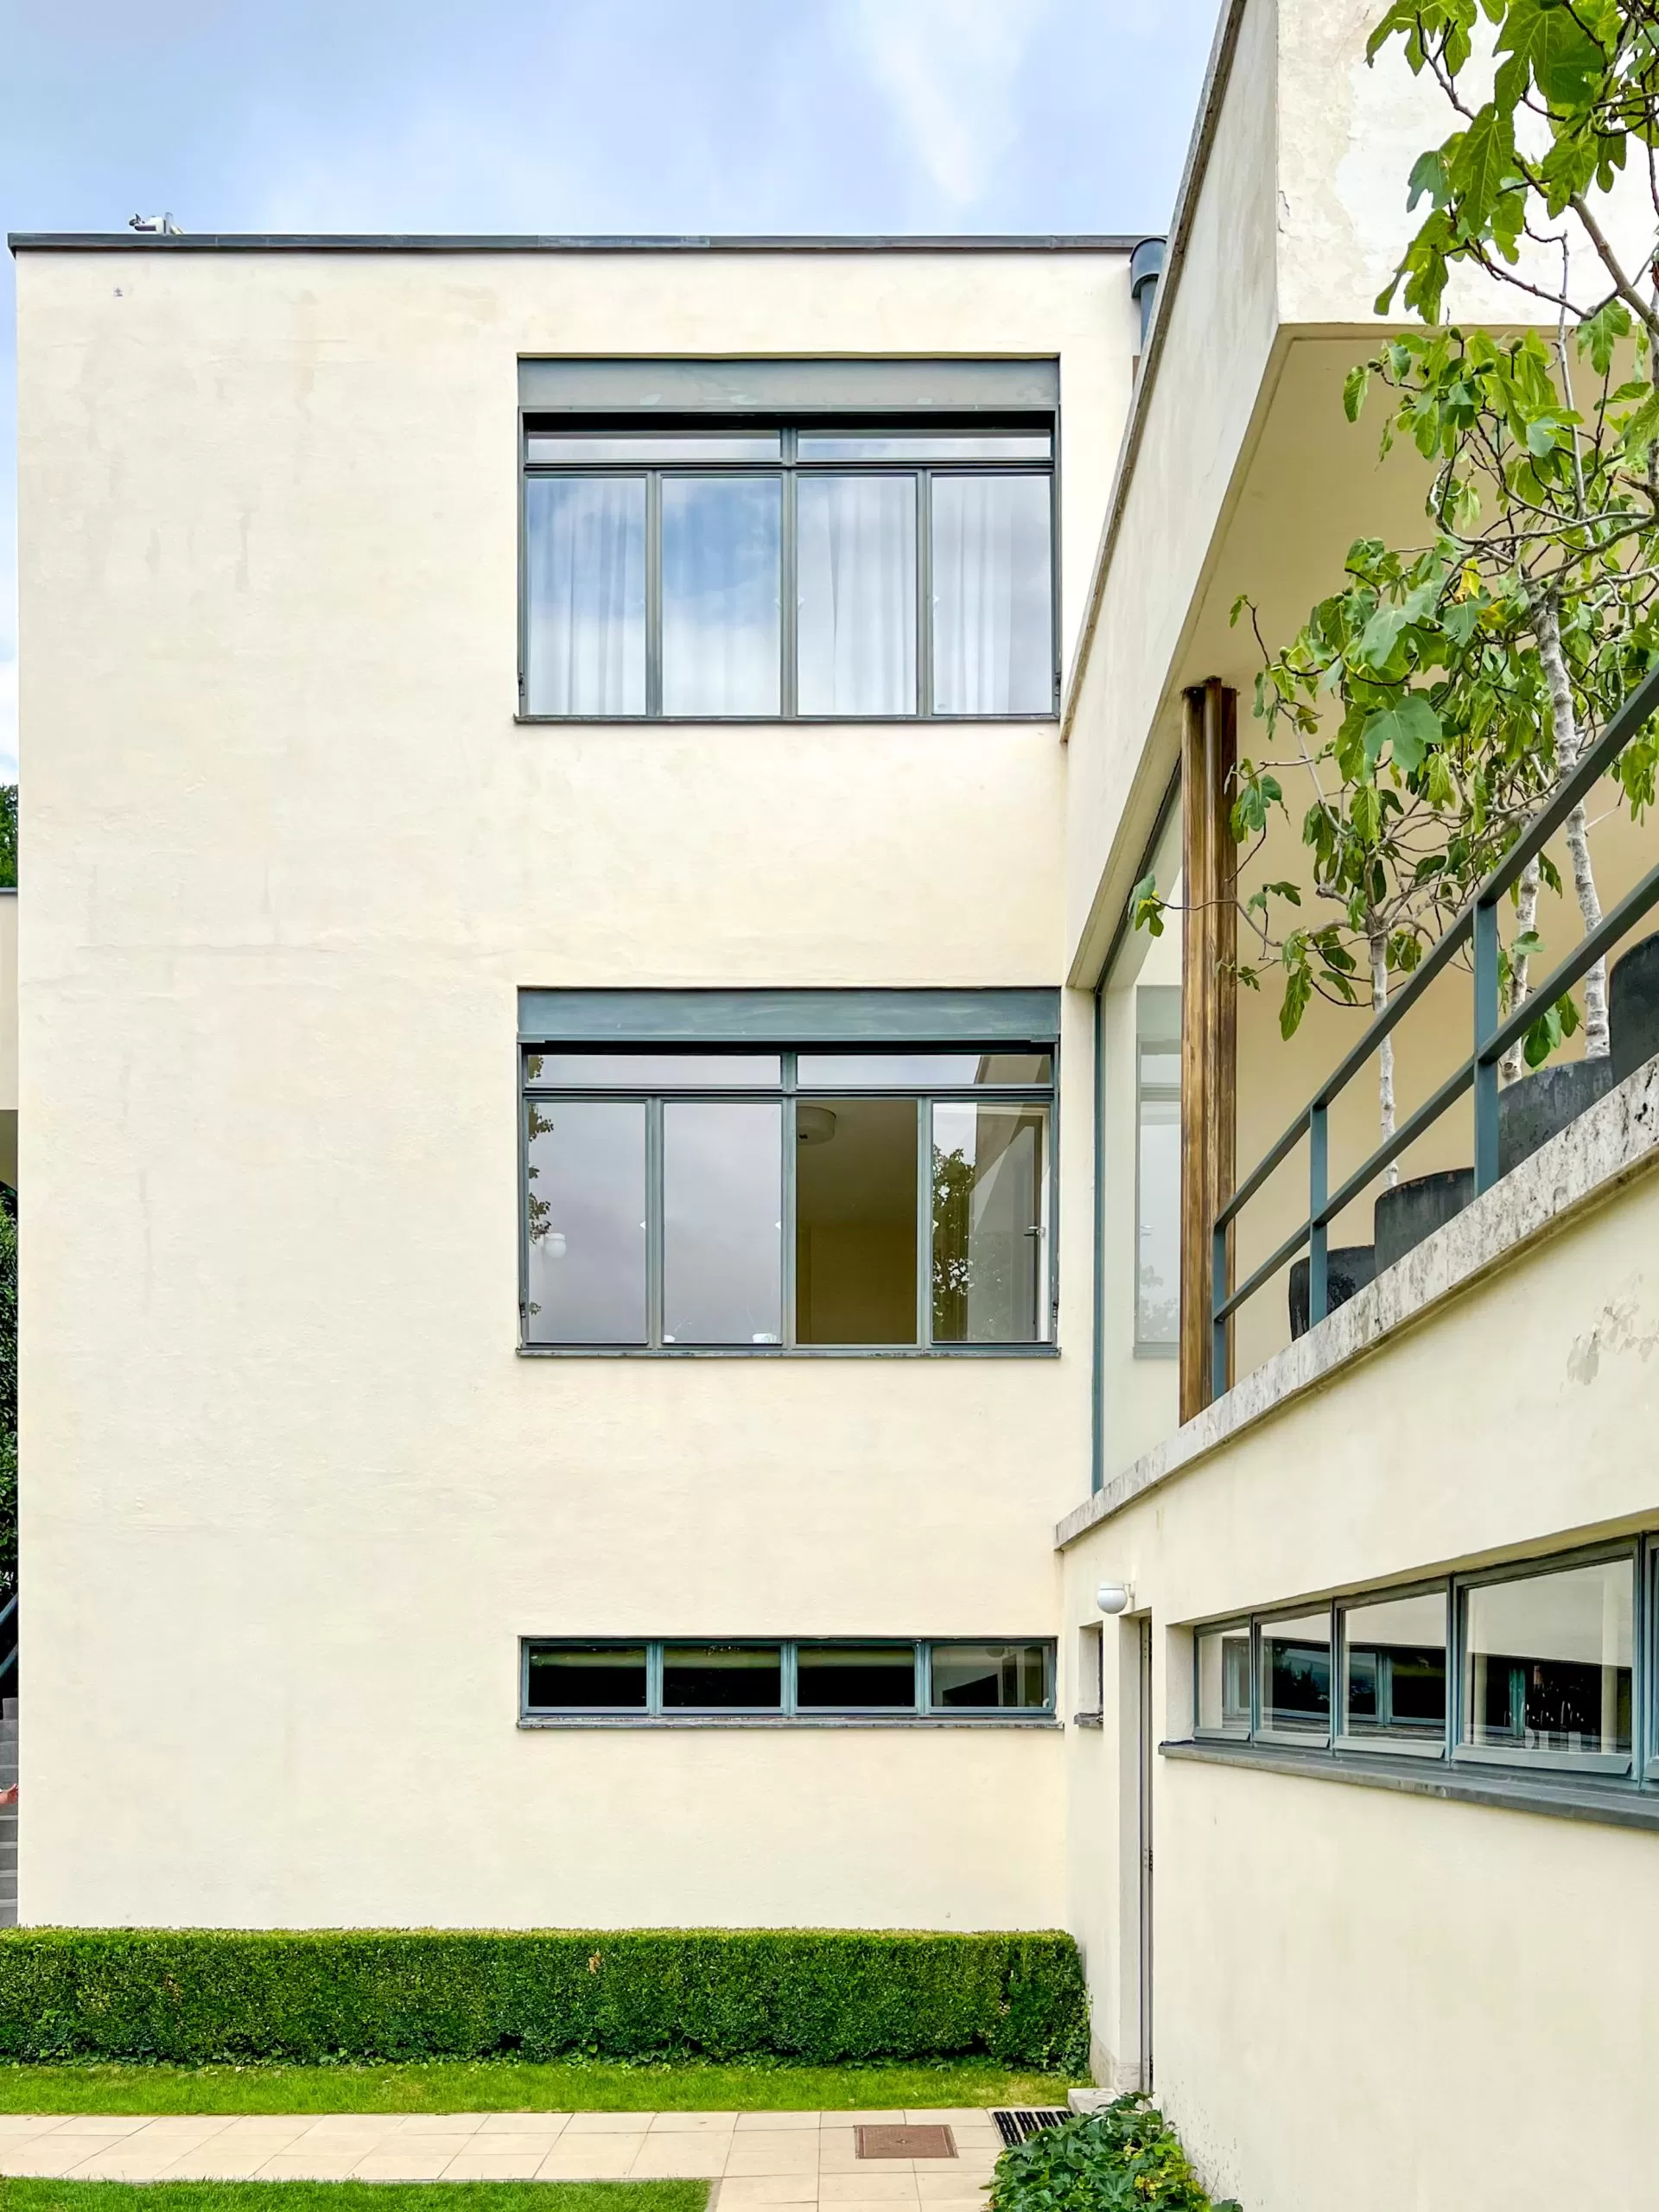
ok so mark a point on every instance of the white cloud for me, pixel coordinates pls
(950, 69)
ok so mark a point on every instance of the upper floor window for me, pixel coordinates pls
(864, 568)
(747, 1195)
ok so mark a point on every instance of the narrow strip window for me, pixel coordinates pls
(1158, 1169)
(1548, 1666)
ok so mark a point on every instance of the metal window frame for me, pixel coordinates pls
(1342, 1738)
(1309, 1738)
(785, 1094)
(921, 1711)
(1230, 1625)
(787, 468)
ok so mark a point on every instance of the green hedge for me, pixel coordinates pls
(194, 1995)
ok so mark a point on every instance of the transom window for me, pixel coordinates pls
(788, 1200)
(842, 571)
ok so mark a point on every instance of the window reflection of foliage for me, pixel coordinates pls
(538, 1212)
(953, 1190)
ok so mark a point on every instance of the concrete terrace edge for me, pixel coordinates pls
(1613, 1140)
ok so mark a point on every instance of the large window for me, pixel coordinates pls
(758, 1679)
(1158, 1170)
(1551, 1666)
(789, 1200)
(843, 570)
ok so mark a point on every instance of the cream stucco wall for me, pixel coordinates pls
(291, 1496)
(1358, 1995)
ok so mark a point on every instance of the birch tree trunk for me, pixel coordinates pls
(1379, 947)
(1513, 1065)
(1565, 724)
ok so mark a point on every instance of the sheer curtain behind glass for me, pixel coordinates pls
(856, 587)
(585, 594)
(993, 645)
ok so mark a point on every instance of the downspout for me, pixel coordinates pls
(1145, 266)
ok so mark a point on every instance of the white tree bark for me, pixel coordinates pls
(1379, 945)
(1513, 1065)
(1565, 724)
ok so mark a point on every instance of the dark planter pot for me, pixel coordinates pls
(1633, 1007)
(1348, 1268)
(1410, 1212)
(1537, 1108)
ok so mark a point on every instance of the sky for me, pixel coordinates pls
(582, 116)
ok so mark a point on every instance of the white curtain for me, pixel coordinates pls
(993, 648)
(584, 574)
(856, 586)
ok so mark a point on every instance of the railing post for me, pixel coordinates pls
(1220, 1291)
(1485, 946)
(1318, 1191)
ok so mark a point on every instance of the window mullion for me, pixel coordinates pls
(789, 611)
(654, 593)
(654, 1224)
(923, 591)
(924, 1223)
(786, 1199)
(654, 1681)
(790, 1678)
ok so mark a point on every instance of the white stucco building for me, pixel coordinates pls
(604, 1264)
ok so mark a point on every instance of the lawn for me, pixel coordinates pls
(355, 2196)
(465, 2085)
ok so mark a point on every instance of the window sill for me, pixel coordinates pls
(1618, 1804)
(782, 721)
(1045, 1721)
(789, 1351)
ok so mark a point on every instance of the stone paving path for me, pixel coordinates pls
(762, 2161)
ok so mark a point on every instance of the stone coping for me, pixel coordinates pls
(1582, 1165)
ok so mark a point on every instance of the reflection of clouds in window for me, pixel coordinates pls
(721, 572)
(587, 1217)
(993, 647)
(585, 595)
(857, 593)
(723, 1228)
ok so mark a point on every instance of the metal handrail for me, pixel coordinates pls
(1476, 923)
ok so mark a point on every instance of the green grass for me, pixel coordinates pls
(353, 2196)
(466, 2085)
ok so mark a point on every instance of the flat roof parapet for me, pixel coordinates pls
(126, 241)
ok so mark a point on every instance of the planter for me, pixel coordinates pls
(1539, 1106)
(1348, 1268)
(1410, 1212)
(1633, 1007)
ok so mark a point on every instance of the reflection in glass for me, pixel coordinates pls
(1546, 1660)
(641, 447)
(855, 1678)
(990, 1224)
(587, 1678)
(993, 645)
(1013, 1677)
(722, 1678)
(1224, 1682)
(1296, 1676)
(922, 1071)
(911, 445)
(585, 595)
(721, 594)
(1393, 1670)
(856, 1221)
(722, 1222)
(652, 1071)
(1158, 1168)
(586, 1213)
(856, 569)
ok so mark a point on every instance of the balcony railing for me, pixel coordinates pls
(1476, 924)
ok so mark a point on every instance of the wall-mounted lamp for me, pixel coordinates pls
(1115, 1597)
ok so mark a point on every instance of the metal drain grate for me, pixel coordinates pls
(932, 2142)
(1015, 2126)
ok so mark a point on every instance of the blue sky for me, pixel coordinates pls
(583, 116)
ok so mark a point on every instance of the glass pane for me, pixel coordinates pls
(652, 1071)
(587, 1678)
(586, 1209)
(993, 646)
(1393, 1670)
(1296, 1676)
(922, 1071)
(1224, 1682)
(1158, 1197)
(855, 565)
(1547, 1661)
(585, 595)
(922, 445)
(722, 1678)
(643, 447)
(855, 1677)
(722, 1223)
(1013, 1677)
(721, 594)
(855, 1222)
(990, 1224)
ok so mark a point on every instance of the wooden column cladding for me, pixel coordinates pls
(1209, 1005)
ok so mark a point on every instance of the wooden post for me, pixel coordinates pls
(1209, 1029)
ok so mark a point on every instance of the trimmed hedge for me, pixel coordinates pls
(189, 1996)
